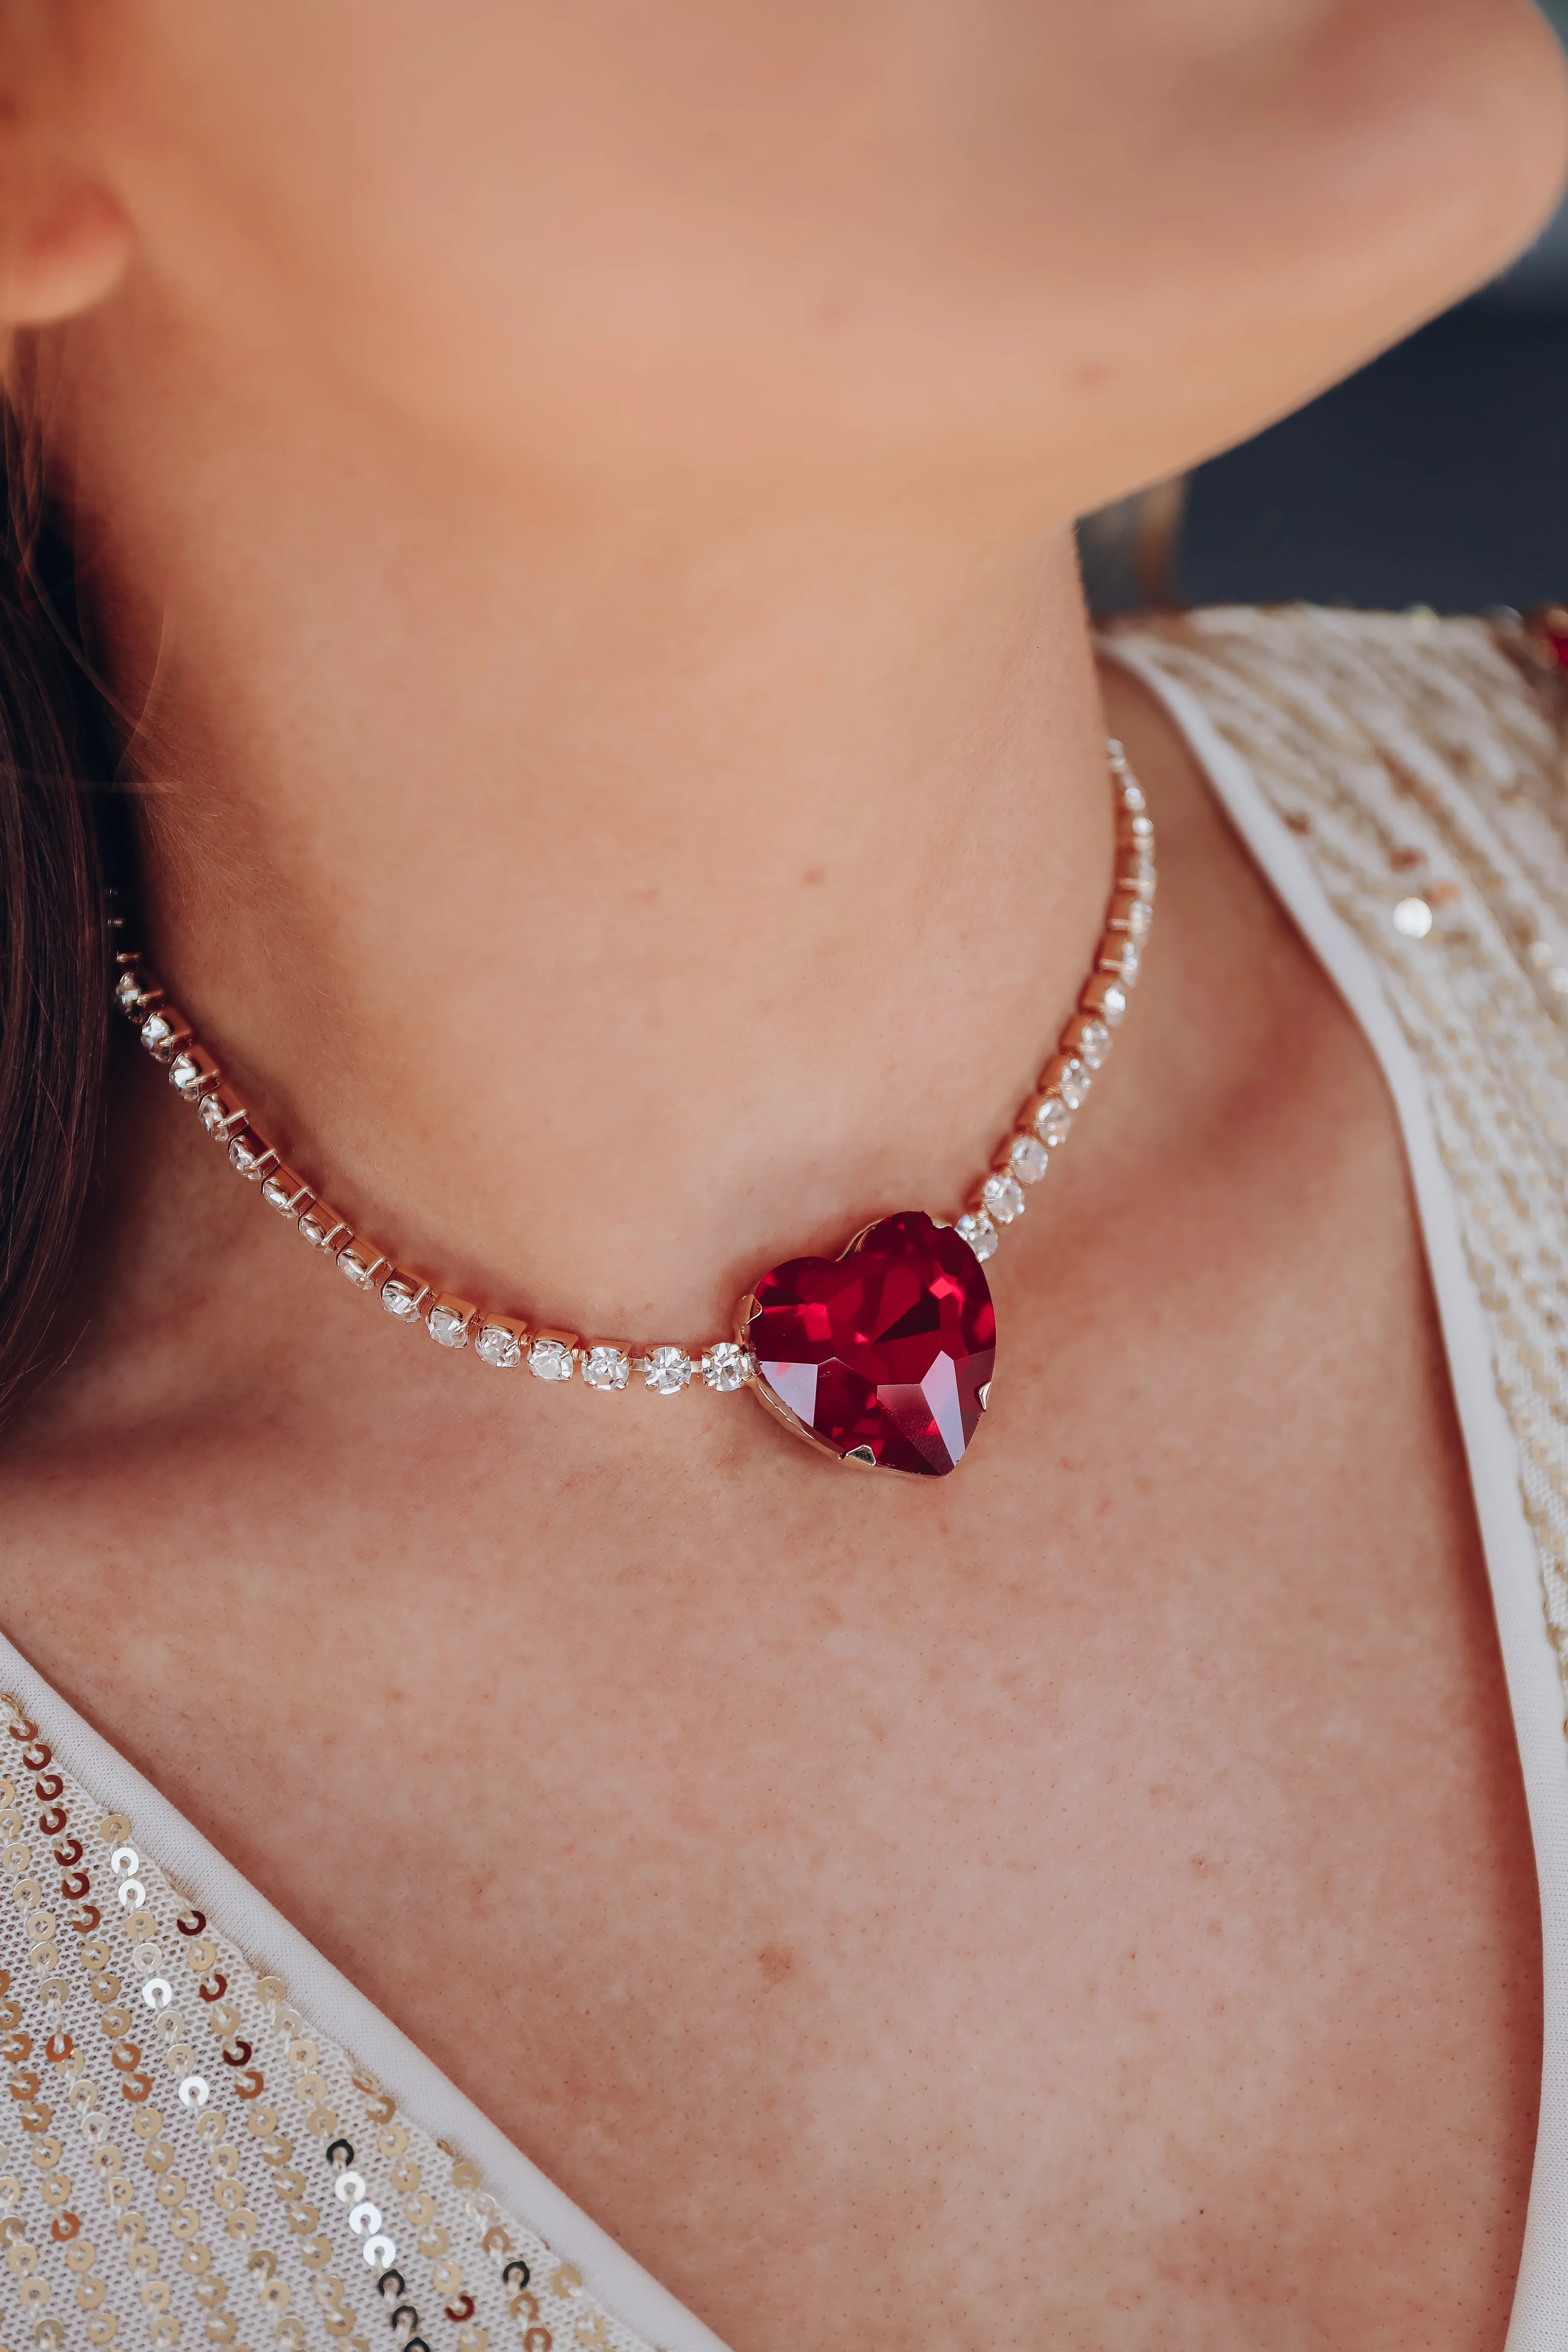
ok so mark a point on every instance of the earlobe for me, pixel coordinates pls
(64, 243)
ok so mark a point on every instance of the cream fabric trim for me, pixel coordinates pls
(1539, 2318)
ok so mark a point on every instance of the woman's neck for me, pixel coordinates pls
(605, 903)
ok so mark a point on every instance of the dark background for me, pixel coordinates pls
(1437, 476)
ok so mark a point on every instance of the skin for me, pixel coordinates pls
(573, 510)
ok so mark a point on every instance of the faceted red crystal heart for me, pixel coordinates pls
(884, 1355)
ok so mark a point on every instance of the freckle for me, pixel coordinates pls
(777, 1962)
(1090, 374)
(813, 875)
(1200, 1862)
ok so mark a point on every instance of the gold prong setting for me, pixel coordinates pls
(501, 1342)
(552, 1354)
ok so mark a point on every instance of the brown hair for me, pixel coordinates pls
(54, 953)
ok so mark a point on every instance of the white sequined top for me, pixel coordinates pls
(210, 2137)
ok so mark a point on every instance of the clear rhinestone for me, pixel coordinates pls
(497, 1346)
(1052, 1121)
(549, 1360)
(1131, 798)
(128, 992)
(667, 1369)
(1003, 1198)
(1140, 915)
(1413, 918)
(1029, 1158)
(247, 1152)
(447, 1328)
(1072, 1085)
(156, 1032)
(186, 1075)
(726, 1365)
(280, 1196)
(1094, 1043)
(1138, 826)
(979, 1232)
(607, 1368)
(320, 1224)
(212, 1113)
(1113, 1002)
(355, 1270)
(1131, 957)
(401, 1298)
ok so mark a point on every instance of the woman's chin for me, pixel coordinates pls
(1431, 151)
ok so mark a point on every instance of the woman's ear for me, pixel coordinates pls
(64, 237)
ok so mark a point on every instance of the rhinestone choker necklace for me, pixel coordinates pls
(881, 1358)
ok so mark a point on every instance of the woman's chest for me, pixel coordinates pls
(1088, 1899)
(1115, 1966)
(1100, 1904)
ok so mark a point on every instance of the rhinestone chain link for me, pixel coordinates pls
(1045, 1117)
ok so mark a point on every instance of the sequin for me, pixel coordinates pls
(166, 2173)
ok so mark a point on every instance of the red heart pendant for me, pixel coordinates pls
(883, 1356)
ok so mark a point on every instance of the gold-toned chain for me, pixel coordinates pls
(507, 1341)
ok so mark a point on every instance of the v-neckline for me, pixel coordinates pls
(621, 2283)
